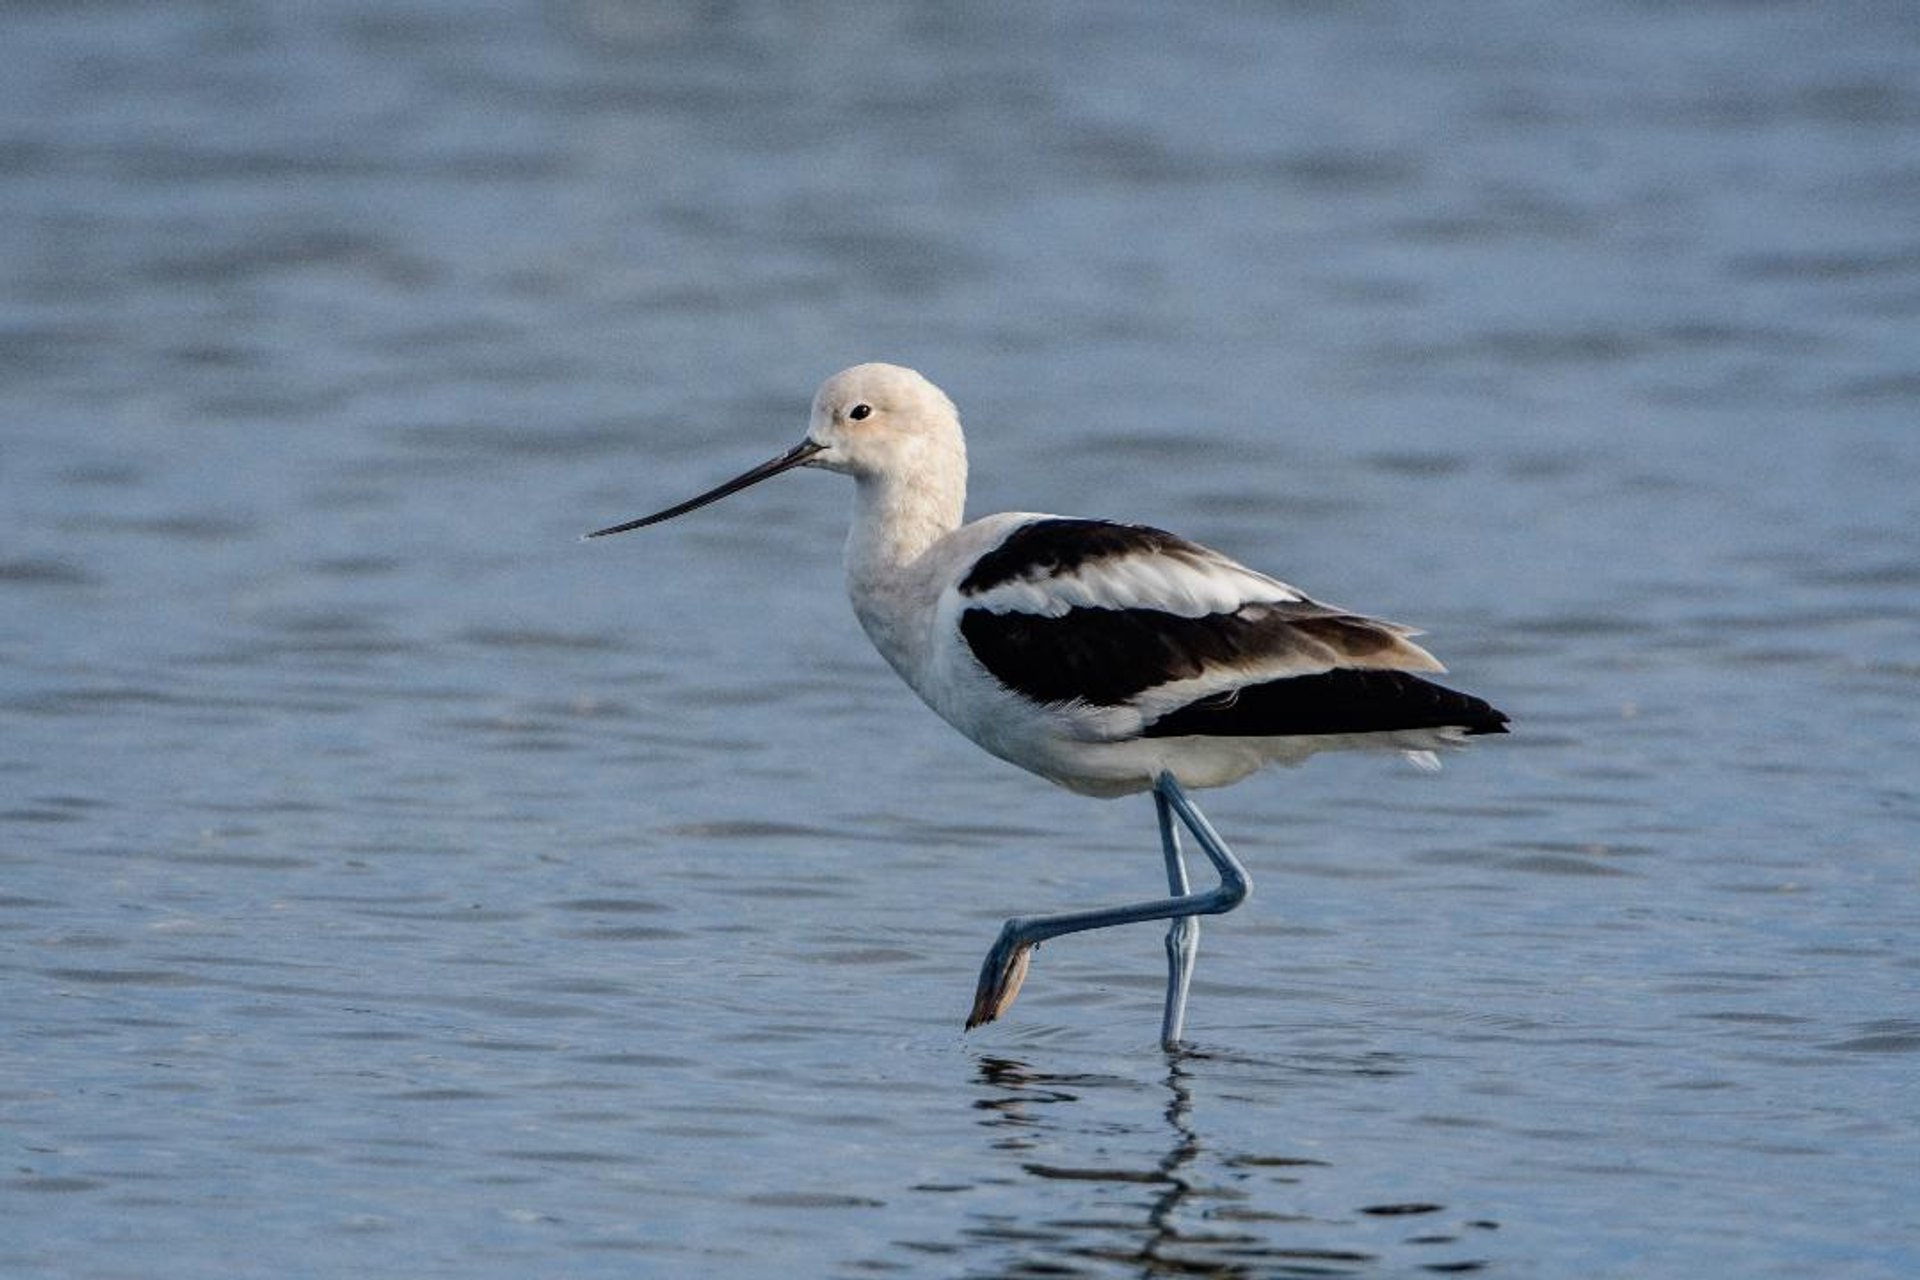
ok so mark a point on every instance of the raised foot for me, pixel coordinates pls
(1000, 976)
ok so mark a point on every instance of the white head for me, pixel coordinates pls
(884, 420)
(880, 423)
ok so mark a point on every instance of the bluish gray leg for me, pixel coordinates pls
(1183, 935)
(1006, 964)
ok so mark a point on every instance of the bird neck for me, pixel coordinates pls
(897, 517)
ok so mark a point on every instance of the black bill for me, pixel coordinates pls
(772, 467)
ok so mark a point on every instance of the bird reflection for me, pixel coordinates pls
(1019, 1101)
(1196, 1218)
(1172, 1166)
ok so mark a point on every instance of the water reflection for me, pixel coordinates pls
(1173, 1198)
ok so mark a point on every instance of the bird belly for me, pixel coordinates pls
(1099, 751)
(1095, 751)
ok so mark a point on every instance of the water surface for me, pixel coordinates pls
(389, 881)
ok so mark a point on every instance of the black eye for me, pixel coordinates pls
(859, 411)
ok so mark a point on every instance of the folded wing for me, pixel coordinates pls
(1092, 614)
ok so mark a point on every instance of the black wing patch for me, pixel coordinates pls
(1345, 701)
(1103, 657)
(1047, 548)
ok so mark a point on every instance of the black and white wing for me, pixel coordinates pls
(1168, 638)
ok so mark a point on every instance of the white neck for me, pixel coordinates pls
(897, 516)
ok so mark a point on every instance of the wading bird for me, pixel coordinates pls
(1108, 658)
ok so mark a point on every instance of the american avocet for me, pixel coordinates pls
(1108, 658)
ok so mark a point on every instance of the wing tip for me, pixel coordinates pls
(1346, 700)
(1494, 721)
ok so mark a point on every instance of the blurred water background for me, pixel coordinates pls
(392, 884)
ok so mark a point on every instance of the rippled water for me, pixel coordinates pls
(390, 882)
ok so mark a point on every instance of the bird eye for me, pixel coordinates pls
(859, 411)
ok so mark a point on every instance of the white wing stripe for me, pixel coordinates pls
(1170, 585)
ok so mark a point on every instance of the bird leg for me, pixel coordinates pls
(1006, 963)
(1183, 935)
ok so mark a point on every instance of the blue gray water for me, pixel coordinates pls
(392, 884)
